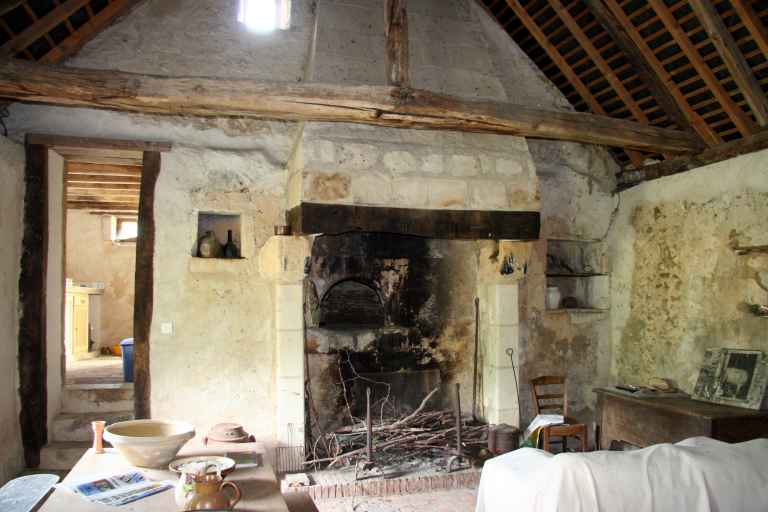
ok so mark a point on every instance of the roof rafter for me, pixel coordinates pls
(733, 59)
(740, 119)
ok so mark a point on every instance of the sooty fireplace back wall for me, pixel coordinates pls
(386, 311)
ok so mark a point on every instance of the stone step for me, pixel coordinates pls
(61, 456)
(88, 398)
(77, 427)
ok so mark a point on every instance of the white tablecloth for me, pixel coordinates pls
(695, 475)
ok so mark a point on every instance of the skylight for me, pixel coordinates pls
(265, 15)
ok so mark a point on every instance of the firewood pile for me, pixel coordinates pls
(425, 434)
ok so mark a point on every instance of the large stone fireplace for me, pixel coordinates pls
(394, 239)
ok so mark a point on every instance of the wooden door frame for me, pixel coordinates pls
(33, 393)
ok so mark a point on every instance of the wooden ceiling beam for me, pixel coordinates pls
(87, 179)
(372, 105)
(105, 169)
(740, 119)
(98, 188)
(103, 207)
(733, 59)
(709, 136)
(41, 27)
(756, 142)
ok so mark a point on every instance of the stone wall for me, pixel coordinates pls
(92, 257)
(678, 286)
(11, 215)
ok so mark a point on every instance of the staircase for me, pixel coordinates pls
(71, 434)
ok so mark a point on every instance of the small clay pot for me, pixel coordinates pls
(228, 433)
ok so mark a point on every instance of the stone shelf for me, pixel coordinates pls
(754, 249)
(216, 265)
(575, 274)
(577, 311)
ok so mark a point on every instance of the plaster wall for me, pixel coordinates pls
(92, 257)
(11, 227)
(678, 286)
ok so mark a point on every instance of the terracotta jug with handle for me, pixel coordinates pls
(210, 493)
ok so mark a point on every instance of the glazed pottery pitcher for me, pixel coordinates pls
(209, 492)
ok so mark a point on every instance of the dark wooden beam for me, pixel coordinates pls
(315, 218)
(397, 43)
(144, 286)
(624, 42)
(374, 105)
(732, 57)
(756, 142)
(64, 141)
(32, 303)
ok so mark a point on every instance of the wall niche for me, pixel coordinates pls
(220, 224)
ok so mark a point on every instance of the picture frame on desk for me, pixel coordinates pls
(735, 377)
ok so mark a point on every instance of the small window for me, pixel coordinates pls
(126, 230)
(265, 15)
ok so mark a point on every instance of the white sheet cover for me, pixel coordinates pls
(695, 475)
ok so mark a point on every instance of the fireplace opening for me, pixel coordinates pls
(394, 315)
(351, 303)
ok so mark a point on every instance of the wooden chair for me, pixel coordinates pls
(554, 400)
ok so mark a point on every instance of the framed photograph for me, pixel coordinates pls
(733, 377)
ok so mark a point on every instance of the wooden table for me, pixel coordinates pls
(643, 421)
(261, 491)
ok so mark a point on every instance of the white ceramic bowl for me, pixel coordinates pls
(149, 443)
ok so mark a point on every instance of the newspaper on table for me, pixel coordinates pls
(119, 489)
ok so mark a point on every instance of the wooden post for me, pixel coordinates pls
(397, 43)
(32, 303)
(143, 305)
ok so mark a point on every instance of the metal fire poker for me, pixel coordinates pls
(365, 466)
(477, 344)
(455, 462)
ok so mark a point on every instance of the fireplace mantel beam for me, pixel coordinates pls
(373, 105)
(334, 219)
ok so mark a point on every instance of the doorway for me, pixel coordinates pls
(61, 177)
(101, 201)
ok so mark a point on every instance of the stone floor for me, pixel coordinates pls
(99, 370)
(458, 500)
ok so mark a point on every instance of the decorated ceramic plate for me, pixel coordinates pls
(213, 464)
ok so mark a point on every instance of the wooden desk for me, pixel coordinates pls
(261, 492)
(646, 421)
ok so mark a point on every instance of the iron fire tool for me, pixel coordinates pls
(458, 461)
(367, 467)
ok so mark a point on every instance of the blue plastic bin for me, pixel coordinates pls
(126, 346)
